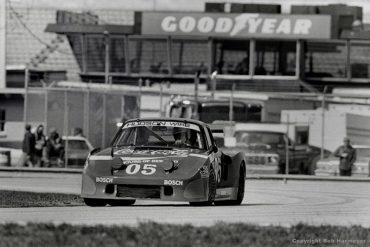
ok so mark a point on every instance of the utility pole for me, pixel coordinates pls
(2, 43)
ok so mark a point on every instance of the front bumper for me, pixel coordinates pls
(116, 188)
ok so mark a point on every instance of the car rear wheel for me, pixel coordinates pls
(95, 202)
(115, 203)
(211, 191)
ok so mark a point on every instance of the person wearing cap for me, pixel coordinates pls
(347, 157)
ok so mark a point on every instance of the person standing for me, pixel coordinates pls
(28, 148)
(54, 150)
(347, 157)
(40, 145)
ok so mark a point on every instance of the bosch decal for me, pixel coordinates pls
(104, 180)
(173, 182)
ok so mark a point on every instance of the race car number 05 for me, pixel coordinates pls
(148, 169)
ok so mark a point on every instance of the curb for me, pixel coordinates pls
(40, 170)
(249, 177)
(308, 178)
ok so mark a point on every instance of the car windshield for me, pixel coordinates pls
(272, 139)
(169, 134)
(363, 152)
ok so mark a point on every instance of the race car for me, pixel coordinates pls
(163, 159)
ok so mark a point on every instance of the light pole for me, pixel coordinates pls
(213, 83)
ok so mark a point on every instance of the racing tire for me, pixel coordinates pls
(212, 184)
(241, 190)
(95, 202)
(117, 203)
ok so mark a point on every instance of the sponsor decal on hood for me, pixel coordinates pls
(172, 152)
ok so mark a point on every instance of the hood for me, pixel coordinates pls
(155, 162)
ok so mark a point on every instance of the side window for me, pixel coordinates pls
(208, 138)
(211, 142)
(2, 120)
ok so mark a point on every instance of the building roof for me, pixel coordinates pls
(29, 45)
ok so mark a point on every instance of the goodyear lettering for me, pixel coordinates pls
(252, 23)
(104, 180)
(173, 182)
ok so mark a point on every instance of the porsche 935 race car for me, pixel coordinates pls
(163, 159)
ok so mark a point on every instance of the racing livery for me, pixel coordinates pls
(163, 159)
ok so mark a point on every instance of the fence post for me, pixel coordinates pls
(46, 108)
(161, 99)
(107, 57)
(139, 96)
(323, 123)
(66, 126)
(287, 149)
(25, 105)
(213, 83)
(104, 119)
(231, 107)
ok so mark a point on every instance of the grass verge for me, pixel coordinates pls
(19, 199)
(163, 235)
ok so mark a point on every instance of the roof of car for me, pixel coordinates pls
(262, 127)
(188, 120)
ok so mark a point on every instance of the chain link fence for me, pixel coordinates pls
(95, 112)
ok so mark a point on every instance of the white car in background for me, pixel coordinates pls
(15, 155)
(361, 167)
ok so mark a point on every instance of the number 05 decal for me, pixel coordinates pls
(147, 169)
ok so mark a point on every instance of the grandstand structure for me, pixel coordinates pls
(112, 45)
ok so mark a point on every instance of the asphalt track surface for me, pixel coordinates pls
(267, 202)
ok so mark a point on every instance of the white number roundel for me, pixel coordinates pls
(132, 169)
(148, 169)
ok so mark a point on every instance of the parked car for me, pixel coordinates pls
(361, 167)
(78, 150)
(266, 146)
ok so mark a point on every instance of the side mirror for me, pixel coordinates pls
(213, 149)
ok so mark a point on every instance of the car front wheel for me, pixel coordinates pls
(211, 191)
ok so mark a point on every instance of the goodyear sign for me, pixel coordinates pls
(237, 25)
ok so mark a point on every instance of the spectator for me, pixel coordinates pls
(242, 68)
(54, 149)
(347, 157)
(78, 132)
(39, 145)
(28, 148)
